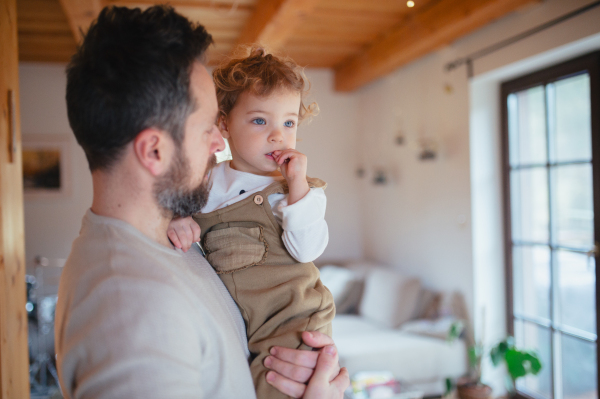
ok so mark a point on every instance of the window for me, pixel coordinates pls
(224, 155)
(551, 135)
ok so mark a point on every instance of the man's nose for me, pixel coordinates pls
(218, 142)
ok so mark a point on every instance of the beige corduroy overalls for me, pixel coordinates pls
(278, 297)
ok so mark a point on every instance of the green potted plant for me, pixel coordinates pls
(519, 363)
(469, 387)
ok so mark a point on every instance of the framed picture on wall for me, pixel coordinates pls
(46, 166)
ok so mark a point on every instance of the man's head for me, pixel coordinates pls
(138, 71)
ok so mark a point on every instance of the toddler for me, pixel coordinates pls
(263, 224)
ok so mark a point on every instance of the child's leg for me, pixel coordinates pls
(278, 303)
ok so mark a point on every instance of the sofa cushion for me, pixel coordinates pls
(412, 358)
(363, 267)
(349, 325)
(435, 328)
(389, 298)
(344, 285)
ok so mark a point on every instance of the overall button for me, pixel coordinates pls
(258, 199)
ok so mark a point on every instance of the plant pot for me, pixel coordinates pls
(474, 391)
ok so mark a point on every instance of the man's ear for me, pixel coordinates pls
(222, 124)
(153, 150)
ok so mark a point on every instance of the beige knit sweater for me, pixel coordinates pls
(135, 319)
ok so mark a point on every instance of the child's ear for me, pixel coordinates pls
(222, 124)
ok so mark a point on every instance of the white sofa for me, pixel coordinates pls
(381, 326)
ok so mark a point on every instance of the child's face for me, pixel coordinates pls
(257, 126)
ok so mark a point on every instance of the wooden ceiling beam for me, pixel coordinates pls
(274, 21)
(80, 14)
(419, 34)
(199, 4)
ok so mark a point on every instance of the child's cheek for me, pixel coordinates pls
(254, 128)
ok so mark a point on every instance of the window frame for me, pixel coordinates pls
(589, 63)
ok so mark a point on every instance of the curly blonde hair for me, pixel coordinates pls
(260, 73)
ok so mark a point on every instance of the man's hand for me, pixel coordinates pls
(293, 368)
(183, 232)
(293, 166)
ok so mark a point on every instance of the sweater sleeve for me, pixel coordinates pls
(305, 231)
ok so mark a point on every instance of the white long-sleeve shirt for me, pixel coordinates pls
(305, 232)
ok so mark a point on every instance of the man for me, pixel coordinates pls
(136, 318)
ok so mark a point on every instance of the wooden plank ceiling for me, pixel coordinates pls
(362, 40)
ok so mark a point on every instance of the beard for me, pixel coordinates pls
(171, 191)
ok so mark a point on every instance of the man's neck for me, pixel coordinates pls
(130, 200)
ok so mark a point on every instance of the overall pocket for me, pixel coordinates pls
(232, 247)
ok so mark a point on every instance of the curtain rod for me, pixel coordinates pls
(468, 60)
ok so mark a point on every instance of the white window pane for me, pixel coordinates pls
(529, 205)
(531, 278)
(579, 373)
(527, 127)
(573, 208)
(576, 290)
(570, 134)
(533, 337)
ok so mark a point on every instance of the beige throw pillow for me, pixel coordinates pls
(389, 298)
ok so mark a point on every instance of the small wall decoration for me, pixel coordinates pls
(46, 166)
(428, 148)
(380, 177)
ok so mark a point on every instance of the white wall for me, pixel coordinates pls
(329, 141)
(442, 219)
(419, 223)
(51, 225)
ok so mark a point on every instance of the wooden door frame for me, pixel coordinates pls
(14, 359)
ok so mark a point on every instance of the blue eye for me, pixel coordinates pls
(289, 124)
(259, 121)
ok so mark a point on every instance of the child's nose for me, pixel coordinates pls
(276, 136)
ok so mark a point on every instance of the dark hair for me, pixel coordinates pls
(132, 72)
(260, 72)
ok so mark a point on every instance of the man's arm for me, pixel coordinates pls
(308, 374)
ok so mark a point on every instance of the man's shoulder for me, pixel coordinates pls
(108, 263)
(116, 243)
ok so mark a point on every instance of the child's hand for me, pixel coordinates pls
(292, 164)
(293, 169)
(183, 232)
